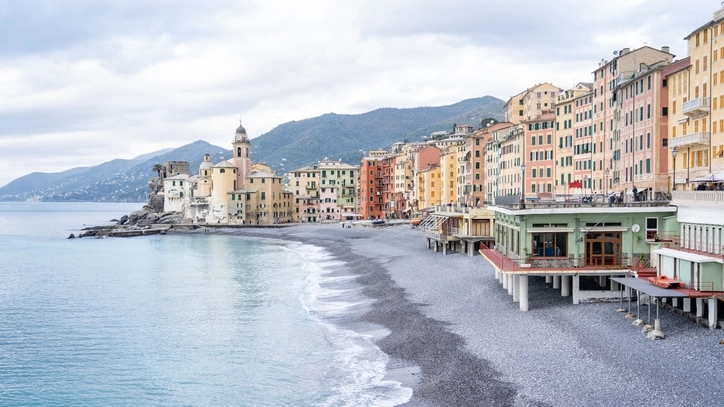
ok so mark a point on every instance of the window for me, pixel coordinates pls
(652, 228)
(550, 244)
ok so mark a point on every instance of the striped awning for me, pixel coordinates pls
(433, 222)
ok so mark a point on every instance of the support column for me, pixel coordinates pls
(602, 281)
(556, 282)
(444, 248)
(549, 279)
(510, 284)
(687, 305)
(523, 292)
(427, 243)
(504, 280)
(565, 286)
(699, 307)
(674, 302)
(713, 318)
(516, 289)
(576, 289)
(615, 286)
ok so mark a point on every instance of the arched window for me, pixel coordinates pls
(238, 151)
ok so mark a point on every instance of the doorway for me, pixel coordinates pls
(603, 248)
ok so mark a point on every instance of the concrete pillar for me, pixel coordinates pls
(699, 307)
(523, 288)
(427, 243)
(615, 286)
(516, 289)
(576, 289)
(471, 249)
(565, 286)
(444, 248)
(556, 282)
(713, 318)
(549, 279)
(675, 302)
(687, 305)
(602, 281)
(509, 277)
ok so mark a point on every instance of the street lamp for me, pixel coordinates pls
(522, 185)
(674, 153)
(605, 182)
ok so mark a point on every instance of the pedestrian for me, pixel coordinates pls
(635, 191)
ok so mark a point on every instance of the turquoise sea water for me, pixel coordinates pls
(175, 320)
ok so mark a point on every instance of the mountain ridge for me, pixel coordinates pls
(287, 147)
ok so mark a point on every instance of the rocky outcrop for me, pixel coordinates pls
(151, 219)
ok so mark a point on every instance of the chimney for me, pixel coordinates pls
(665, 48)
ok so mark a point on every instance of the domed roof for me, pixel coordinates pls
(240, 129)
(206, 164)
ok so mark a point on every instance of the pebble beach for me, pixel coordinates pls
(456, 337)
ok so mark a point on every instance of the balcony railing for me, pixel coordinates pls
(697, 198)
(696, 107)
(690, 139)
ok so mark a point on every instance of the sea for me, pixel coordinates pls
(176, 320)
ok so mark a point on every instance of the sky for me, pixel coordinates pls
(87, 81)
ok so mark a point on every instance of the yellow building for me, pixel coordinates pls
(218, 195)
(699, 105)
(531, 103)
(449, 170)
(429, 187)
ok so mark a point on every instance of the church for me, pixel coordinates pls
(233, 191)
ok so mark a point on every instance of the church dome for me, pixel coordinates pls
(206, 164)
(240, 129)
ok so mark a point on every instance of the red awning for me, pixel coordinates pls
(575, 184)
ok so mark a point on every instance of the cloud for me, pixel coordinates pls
(87, 81)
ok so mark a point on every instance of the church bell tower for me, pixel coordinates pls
(241, 155)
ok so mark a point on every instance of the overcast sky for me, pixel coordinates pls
(86, 81)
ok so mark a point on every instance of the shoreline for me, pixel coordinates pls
(457, 338)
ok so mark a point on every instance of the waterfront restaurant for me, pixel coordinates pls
(578, 247)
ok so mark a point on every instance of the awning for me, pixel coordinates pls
(548, 230)
(575, 184)
(710, 178)
(648, 288)
(692, 257)
(432, 222)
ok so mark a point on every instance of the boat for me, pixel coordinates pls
(378, 222)
(666, 282)
(415, 221)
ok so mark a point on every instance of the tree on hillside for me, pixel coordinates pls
(157, 167)
(487, 122)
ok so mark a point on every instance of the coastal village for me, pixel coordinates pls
(607, 189)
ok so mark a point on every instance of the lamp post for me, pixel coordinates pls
(522, 185)
(674, 153)
(605, 183)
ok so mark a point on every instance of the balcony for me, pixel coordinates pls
(697, 198)
(696, 107)
(690, 140)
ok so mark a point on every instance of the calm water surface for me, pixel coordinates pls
(195, 320)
